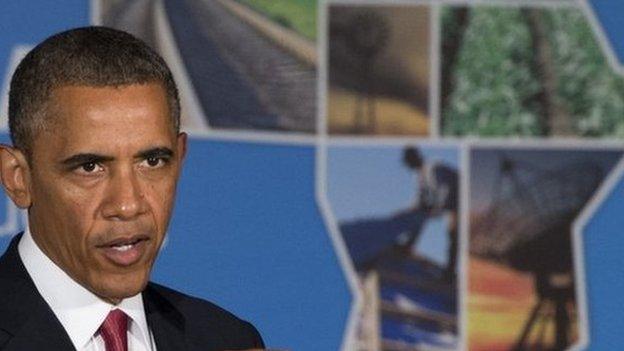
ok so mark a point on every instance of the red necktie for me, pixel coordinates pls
(114, 331)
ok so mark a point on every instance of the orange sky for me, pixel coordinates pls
(499, 301)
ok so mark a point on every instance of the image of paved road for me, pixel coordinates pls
(242, 79)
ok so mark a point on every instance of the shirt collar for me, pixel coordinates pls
(79, 310)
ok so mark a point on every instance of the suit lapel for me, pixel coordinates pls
(26, 320)
(165, 321)
(42, 331)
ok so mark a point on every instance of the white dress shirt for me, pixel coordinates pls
(80, 311)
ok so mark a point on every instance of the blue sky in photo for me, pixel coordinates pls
(372, 181)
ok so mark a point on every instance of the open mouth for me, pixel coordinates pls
(125, 251)
(125, 246)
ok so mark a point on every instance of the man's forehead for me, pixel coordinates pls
(71, 90)
(84, 103)
(110, 118)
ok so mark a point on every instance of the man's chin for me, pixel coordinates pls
(115, 290)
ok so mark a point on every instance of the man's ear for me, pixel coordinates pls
(182, 145)
(15, 175)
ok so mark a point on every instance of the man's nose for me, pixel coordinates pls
(124, 199)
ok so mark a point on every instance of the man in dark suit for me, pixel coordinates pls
(94, 119)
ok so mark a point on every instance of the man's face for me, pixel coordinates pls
(102, 184)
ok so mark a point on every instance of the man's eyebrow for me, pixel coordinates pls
(155, 152)
(80, 159)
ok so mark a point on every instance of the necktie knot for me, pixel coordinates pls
(114, 331)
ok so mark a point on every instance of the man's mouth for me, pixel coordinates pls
(124, 247)
(125, 251)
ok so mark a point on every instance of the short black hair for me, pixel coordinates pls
(86, 56)
(412, 157)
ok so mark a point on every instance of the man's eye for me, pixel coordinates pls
(154, 161)
(90, 167)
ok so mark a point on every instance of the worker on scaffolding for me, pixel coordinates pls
(437, 196)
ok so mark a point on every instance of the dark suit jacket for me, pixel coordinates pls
(178, 321)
